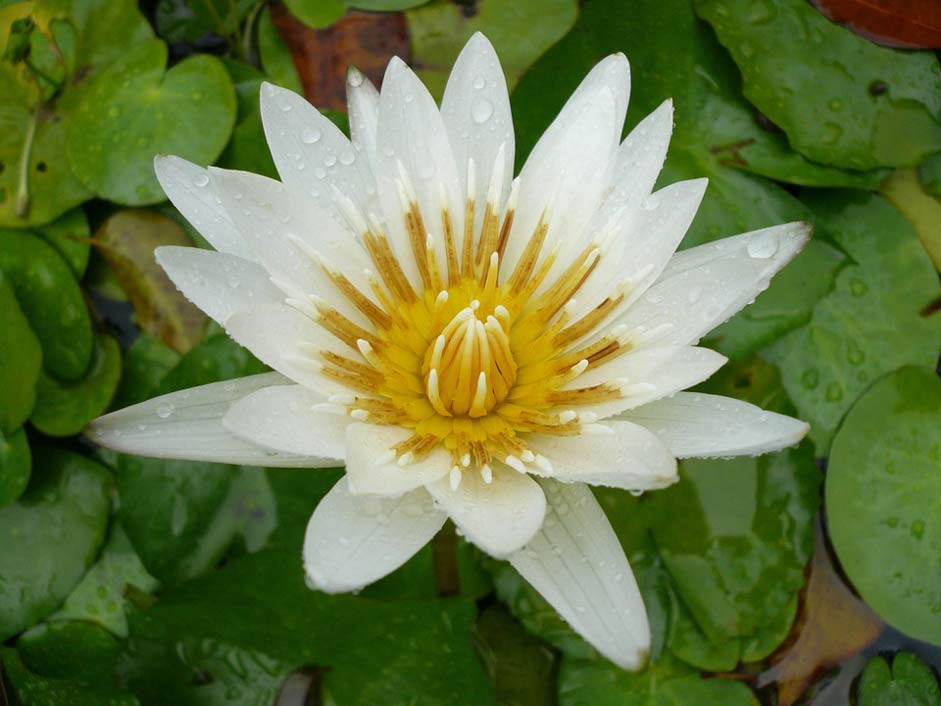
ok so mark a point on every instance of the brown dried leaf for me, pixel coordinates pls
(909, 24)
(365, 40)
(127, 241)
(832, 625)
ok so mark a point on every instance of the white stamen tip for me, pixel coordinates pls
(345, 400)
(405, 459)
(580, 367)
(544, 464)
(465, 460)
(475, 304)
(528, 456)
(567, 416)
(385, 458)
(360, 415)
(515, 463)
(455, 478)
(486, 473)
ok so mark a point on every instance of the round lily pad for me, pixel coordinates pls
(135, 109)
(15, 464)
(20, 361)
(51, 299)
(882, 500)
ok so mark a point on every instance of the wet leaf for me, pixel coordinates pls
(20, 361)
(367, 652)
(50, 535)
(15, 465)
(910, 681)
(217, 358)
(520, 667)
(100, 595)
(68, 234)
(316, 14)
(51, 300)
(33, 690)
(667, 683)
(895, 23)
(247, 149)
(903, 190)
(815, 80)
(127, 241)
(882, 487)
(440, 29)
(78, 651)
(832, 625)
(871, 323)
(190, 20)
(929, 174)
(188, 110)
(63, 409)
(276, 61)
(145, 364)
(362, 39)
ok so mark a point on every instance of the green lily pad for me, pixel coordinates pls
(15, 466)
(871, 323)
(51, 299)
(362, 651)
(275, 57)
(63, 409)
(34, 690)
(188, 110)
(929, 174)
(20, 361)
(841, 99)
(910, 681)
(145, 364)
(316, 13)
(127, 241)
(439, 30)
(76, 650)
(667, 683)
(882, 500)
(189, 21)
(904, 190)
(50, 536)
(69, 235)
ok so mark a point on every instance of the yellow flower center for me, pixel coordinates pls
(467, 361)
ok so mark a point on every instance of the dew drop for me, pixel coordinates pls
(310, 136)
(164, 410)
(330, 160)
(481, 110)
(201, 180)
(762, 248)
(479, 82)
(347, 157)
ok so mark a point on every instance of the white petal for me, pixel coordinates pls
(218, 283)
(639, 161)
(566, 176)
(631, 457)
(288, 341)
(576, 562)
(352, 540)
(699, 425)
(312, 154)
(704, 286)
(294, 240)
(189, 188)
(649, 374)
(412, 138)
(499, 517)
(612, 73)
(282, 418)
(188, 425)
(644, 241)
(362, 101)
(370, 470)
(476, 113)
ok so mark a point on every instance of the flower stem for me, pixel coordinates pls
(22, 192)
(444, 551)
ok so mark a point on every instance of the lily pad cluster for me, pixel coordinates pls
(139, 581)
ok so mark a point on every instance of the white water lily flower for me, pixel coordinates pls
(470, 345)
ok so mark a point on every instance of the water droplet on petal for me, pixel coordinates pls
(310, 136)
(762, 248)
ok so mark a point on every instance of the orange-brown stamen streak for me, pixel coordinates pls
(344, 329)
(505, 232)
(527, 419)
(587, 323)
(389, 268)
(467, 247)
(352, 380)
(418, 238)
(479, 453)
(418, 445)
(567, 284)
(488, 237)
(450, 247)
(527, 261)
(382, 411)
(584, 395)
(376, 316)
(373, 376)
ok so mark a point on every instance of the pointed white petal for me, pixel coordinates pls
(287, 233)
(476, 113)
(644, 240)
(704, 286)
(565, 178)
(703, 426)
(188, 425)
(631, 457)
(218, 283)
(288, 341)
(362, 101)
(576, 562)
(412, 138)
(189, 188)
(371, 471)
(499, 517)
(281, 418)
(649, 374)
(612, 73)
(312, 154)
(353, 540)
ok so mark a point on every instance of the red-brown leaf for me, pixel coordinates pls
(909, 24)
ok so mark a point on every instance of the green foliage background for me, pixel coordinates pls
(126, 580)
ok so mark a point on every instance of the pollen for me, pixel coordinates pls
(469, 355)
